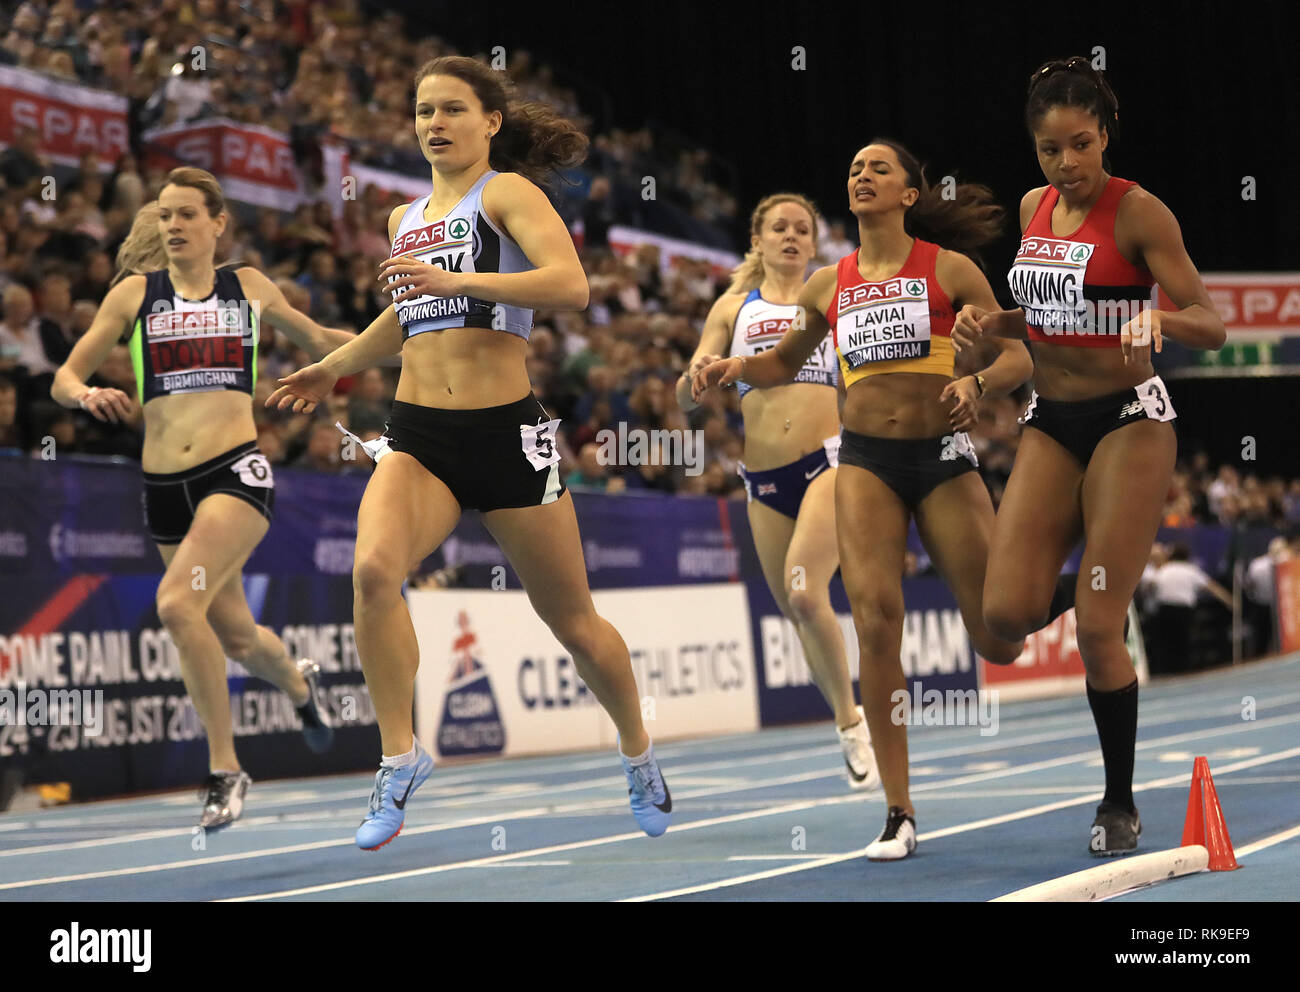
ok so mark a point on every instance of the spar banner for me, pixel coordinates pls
(254, 164)
(1261, 311)
(91, 691)
(1253, 303)
(68, 119)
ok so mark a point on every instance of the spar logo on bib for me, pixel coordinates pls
(458, 228)
(471, 721)
(1047, 281)
(883, 321)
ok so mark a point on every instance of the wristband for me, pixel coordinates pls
(979, 383)
(741, 377)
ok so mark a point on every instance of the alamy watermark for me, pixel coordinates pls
(651, 447)
(23, 707)
(924, 707)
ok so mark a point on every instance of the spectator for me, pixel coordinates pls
(20, 335)
(1260, 597)
(1176, 586)
(56, 317)
(598, 214)
(323, 449)
(21, 164)
(592, 474)
(835, 244)
(11, 435)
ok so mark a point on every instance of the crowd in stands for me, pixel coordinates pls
(276, 64)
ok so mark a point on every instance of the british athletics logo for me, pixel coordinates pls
(471, 720)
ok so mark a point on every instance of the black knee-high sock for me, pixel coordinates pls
(1063, 597)
(1116, 716)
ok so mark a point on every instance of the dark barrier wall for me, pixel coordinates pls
(78, 576)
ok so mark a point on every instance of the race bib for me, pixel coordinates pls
(376, 449)
(254, 470)
(1047, 282)
(1155, 399)
(883, 321)
(539, 443)
(832, 448)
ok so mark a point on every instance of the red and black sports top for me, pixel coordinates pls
(1078, 290)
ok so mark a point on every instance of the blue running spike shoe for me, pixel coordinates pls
(316, 730)
(393, 787)
(652, 803)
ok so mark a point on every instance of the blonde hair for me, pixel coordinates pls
(143, 250)
(750, 272)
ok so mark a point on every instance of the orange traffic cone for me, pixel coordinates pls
(1205, 824)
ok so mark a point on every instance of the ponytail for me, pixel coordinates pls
(142, 251)
(1072, 82)
(534, 140)
(963, 217)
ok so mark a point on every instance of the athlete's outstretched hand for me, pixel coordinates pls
(723, 372)
(303, 389)
(964, 393)
(1139, 336)
(412, 278)
(110, 405)
(967, 329)
(702, 362)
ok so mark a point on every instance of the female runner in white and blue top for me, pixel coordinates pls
(791, 452)
(470, 263)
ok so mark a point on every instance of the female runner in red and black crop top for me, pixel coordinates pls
(1096, 459)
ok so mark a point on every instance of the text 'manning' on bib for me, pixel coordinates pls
(883, 321)
(1047, 282)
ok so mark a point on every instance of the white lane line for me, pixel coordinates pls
(478, 777)
(553, 849)
(737, 817)
(1269, 841)
(1196, 689)
(774, 857)
(576, 807)
(949, 831)
(240, 855)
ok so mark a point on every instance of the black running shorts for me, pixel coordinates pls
(171, 499)
(494, 458)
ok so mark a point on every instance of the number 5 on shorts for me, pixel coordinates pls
(539, 444)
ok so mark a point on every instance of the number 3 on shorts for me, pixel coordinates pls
(1155, 399)
(539, 443)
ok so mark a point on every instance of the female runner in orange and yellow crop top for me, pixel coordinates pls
(904, 452)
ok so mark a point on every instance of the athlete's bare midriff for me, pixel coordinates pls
(898, 405)
(813, 414)
(463, 368)
(187, 429)
(1065, 373)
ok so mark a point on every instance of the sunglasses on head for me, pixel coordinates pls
(1057, 65)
